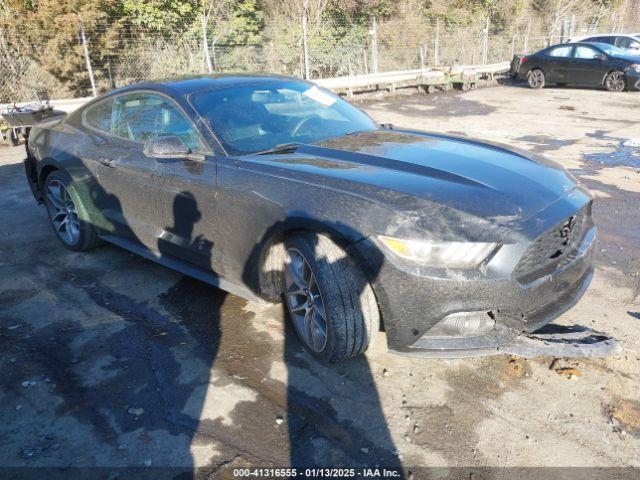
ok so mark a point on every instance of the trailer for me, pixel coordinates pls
(431, 80)
(463, 79)
(20, 119)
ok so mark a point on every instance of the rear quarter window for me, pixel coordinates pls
(99, 115)
(563, 51)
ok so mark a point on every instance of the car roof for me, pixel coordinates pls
(186, 85)
(599, 45)
(582, 37)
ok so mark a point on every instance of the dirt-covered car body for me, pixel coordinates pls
(220, 216)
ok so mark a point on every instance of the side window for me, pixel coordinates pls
(563, 51)
(99, 115)
(585, 52)
(142, 116)
(626, 42)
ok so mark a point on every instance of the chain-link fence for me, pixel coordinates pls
(94, 60)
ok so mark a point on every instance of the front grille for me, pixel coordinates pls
(550, 248)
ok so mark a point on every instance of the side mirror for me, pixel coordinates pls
(600, 57)
(169, 146)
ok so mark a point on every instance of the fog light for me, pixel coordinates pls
(462, 324)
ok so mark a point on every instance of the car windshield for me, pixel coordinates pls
(611, 50)
(256, 117)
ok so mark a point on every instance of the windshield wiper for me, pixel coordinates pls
(282, 148)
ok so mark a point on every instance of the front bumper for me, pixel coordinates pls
(411, 304)
(632, 79)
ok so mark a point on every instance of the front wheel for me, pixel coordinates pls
(536, 79)
(614, 81)
(330, 302)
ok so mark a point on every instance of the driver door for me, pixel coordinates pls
(185, 199)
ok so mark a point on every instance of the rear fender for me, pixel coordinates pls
(43, 169)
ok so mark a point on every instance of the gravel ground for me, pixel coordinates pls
(107, 360)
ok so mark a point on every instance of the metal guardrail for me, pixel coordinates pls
(417, 77)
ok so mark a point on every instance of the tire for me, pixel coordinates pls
(536, 79)
(14, 137)
(321, 277)
(67, 215)
(27, 131)
(431, 88)
(614, 81)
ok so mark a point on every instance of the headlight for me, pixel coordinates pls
(440, 254)
(635, 67)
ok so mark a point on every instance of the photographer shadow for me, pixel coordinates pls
(334, 413)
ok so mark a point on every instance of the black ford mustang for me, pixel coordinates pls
(271, 188)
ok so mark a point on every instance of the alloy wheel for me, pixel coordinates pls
(536, 78)
(305, 301)
(62, 212)
(615, 82)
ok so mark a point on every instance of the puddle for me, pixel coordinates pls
(545, 143)
(621, 156)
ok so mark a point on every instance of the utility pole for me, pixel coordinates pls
(213, 53)
(85, 48)
(374, 45)
(525, 47)
(305, 47)
(436, 44)
(485, 42)
(205, 43)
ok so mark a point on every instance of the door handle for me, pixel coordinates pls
(107, 162)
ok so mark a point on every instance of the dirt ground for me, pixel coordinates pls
(107, 360)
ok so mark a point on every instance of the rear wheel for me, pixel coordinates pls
(614, 81)
(330, 302)
(536, 78)
(66, 213)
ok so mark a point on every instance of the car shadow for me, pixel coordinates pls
(511, 82)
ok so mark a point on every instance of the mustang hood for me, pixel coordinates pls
(471, 176)
(409, 170)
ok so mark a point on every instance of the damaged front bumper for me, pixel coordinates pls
(551, 340)
(494, 312)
